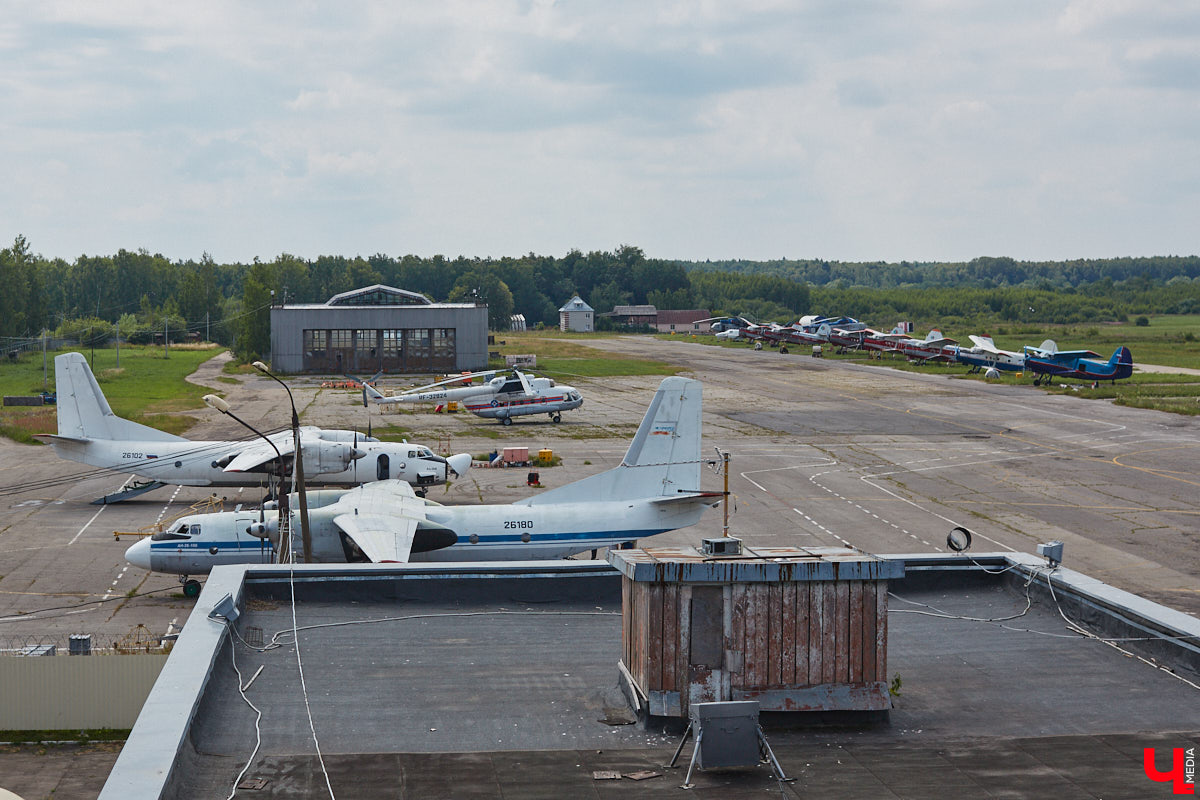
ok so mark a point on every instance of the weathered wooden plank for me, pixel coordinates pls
(787, 635)
(803, 599)
(640, 629)
(670, 637)
(841, 634)
(736, 644)
(654, 637)
(881, 630)
(869, 671)
(855, 648)
(774, 635)
(753, 657)
(816, 639)
(829, 642)
(627, 623)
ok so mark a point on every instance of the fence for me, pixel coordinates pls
(75, 693)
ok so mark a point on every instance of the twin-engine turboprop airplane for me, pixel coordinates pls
(1048, 363)
(499, 398)
(656, 488)
(90, 433)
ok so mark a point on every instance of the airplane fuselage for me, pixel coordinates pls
(196, 544)
(196, 463)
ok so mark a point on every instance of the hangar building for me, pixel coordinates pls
(379, 328)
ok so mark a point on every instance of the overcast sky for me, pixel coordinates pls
(840, 129)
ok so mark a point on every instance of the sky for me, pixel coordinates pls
(847, 130)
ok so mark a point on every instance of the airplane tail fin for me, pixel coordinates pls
(83, 411)
(663, 460)
(1121, 356)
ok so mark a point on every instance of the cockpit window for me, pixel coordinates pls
(180, 532)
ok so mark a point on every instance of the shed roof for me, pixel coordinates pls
(576, 304)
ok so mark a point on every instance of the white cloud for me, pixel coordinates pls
(842, 130)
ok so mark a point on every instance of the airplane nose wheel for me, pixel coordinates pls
(191, 587)
(506, 421)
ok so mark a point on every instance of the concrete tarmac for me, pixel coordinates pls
(823, 452)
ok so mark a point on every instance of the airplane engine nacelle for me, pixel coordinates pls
(322, 458)
(432, 536)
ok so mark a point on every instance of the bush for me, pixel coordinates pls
(1142, 322)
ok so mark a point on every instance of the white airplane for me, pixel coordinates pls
(90, 433)
(655, 489)
(986, 356)
(498, 398)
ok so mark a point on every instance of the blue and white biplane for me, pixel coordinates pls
(1048, 363)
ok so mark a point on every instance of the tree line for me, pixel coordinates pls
(142, 295)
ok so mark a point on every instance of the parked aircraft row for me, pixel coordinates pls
(655, 489)
(1046, 362)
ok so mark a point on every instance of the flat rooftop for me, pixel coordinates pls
(502, 681)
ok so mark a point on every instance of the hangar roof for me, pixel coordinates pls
(379, 295)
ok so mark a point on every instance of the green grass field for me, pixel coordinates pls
(1172, 341)
(560, 354)
(145, 388)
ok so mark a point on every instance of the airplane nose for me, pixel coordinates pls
(138, 554)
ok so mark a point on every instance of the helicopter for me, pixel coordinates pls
(499, 397)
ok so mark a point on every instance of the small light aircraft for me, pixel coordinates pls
(497, 398)
(90, 433)
(725, 324)
(655, 489)
(934, 347)
(1048, 363)
(984, 355)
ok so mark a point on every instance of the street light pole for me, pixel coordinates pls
(219, 403)
(298, 472)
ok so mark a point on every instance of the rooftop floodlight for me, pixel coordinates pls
(1052, 552)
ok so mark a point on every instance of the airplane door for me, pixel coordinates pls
(382, 468)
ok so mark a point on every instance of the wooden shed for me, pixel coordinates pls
(797, 629)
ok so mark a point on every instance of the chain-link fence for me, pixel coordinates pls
(138, 640)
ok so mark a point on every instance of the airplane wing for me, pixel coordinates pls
(382, 539)
(257, 453)
(984, 343)
(381, 518)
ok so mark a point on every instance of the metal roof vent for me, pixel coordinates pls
(723, 546)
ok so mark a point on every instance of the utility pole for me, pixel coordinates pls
(118, 342)
(166, 340)
(725, 505)
(45, 378)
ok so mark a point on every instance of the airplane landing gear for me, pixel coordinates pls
(556, 417)
(506, 421)
(191, 587)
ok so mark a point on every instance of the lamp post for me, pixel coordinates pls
(219, 403)
(298, 471)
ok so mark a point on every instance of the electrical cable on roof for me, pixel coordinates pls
(242, 691)
(303, 686)
(1112, 642)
